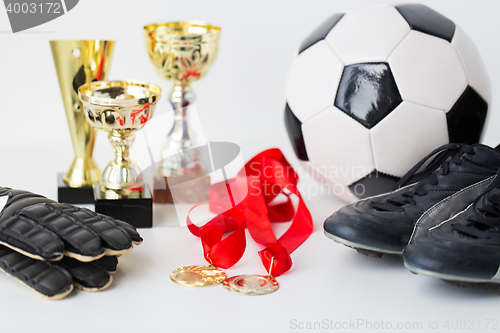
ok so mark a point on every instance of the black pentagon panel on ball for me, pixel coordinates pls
(294, 129)
(466, 118)
(320, 32)
(422, 18)
(373, 184)
(367, 92)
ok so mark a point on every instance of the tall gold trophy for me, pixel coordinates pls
(121, 108)
(182, 52)
(78, 62)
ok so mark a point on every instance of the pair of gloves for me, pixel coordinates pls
(51, 247)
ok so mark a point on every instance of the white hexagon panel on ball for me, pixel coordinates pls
(354, 43)
(313, 81)
(406, 136)
(475, 69)
(428, 71)
(339, 146)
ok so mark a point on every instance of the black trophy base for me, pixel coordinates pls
(138, 212)
(73, 195)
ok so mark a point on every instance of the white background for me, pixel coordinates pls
(241, 101)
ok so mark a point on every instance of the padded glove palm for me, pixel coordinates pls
(55, 279)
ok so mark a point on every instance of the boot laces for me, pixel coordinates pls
(444, 155)
(486, 220)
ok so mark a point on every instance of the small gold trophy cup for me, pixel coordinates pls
(121, 108)
(78, 62)
(182, 52)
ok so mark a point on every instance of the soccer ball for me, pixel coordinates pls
(373, 91)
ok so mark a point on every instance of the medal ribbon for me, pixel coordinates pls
(266, 176)
(215, 248)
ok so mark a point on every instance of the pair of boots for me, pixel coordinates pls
(444, 218)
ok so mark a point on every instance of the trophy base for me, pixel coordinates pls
(73, 195)
(137, 211)
(189, 189)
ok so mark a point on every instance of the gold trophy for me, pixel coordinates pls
(78, 62)
(182, 52)
(121, 108)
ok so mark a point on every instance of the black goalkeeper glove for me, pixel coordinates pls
(55, 279)
(44, 229)
(51, 246)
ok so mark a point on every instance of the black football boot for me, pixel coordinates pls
(464, 248)
(383, 224)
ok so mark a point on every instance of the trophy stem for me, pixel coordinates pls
(83, 171)
(122, 142)
(122, 178)
(182, 96)
(181, 137)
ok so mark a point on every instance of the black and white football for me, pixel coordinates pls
(374, 90)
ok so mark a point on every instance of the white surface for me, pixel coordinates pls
(313, 81)
(327, 282)
(346, 162)
(416, 126)
(328, 184)
(475, 70)
(354, 43)
(241, 101)
(428, 71)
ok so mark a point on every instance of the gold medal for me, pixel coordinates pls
(251, 284)
(198, 276)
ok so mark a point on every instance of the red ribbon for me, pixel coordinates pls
(266, 176)
(214, 247)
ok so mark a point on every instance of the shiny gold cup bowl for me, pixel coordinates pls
(182, 51)
(120, 108)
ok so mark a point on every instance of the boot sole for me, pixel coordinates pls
(457, 281)
(367, 250)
